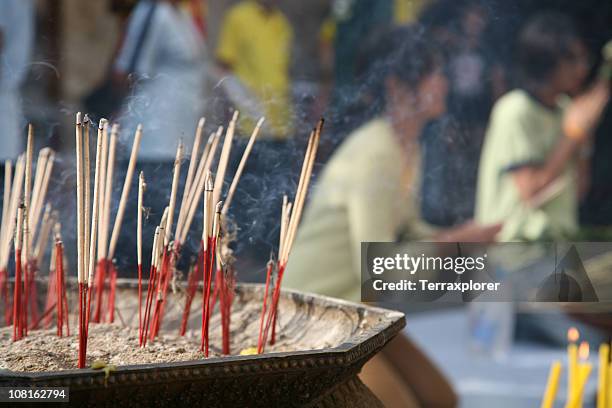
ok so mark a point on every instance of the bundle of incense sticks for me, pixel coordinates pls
(153, 277)
(23, 225)
(194, 186)
(105, 279)
(56, 287)
(198, 271)
(165, 274)
(290, 219)
(40, 231)
(12, 199)
(88, 216)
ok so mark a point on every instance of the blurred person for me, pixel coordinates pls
(254, 52)
(341, 37)
(529, 169)
(163, 58)
(16, 43)
(163, 63)
(255, 45)
(350, 24)
(368, 192)
(475, 77)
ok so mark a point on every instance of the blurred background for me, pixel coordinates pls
(167, 63)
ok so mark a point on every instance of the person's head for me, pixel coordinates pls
(551, 53)
(411, 74)
(473, 20)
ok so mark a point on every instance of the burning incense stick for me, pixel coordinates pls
(208, 268)
(51, 281)
(108, 185)
(119, 218)
(141, 189)
(95, 215)
(125, 192)
(44, 168)
(153, 276)
(80, 240)
(60, 296)
(17, 303)
(87, 196)
(260, 339)
(103, 264)
(166, 271)
(243, 160)
(224, 158)
(190, 172)
(8, 168)
(173, 193)
(15, 200)
(290, 232)
(102, 186)
(148, 301)
(43, 237)
(197, 187)
(25, 244)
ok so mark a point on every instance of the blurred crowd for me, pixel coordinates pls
(167, 63)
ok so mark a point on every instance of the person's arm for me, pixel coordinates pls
(579, 121)
(532, 180)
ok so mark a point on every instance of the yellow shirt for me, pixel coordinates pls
(256, 43)
(366, 193)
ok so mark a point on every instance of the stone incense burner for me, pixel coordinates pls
(322, 345)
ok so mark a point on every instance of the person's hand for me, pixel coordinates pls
(584, 112)
(470, 232)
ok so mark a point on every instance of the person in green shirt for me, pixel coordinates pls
(369, 189)
(368, 192)
(529, 174)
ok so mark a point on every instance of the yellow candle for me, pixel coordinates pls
(583, 356)
(572, 361)
(583, 377)
(551, 386)
(609, 393)
(602, 384)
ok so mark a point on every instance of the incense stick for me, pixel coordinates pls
(224, 158)
(87, 197)
(196, 189)
(190, 173)
(14, 205)
(125, 193)
(95, 212)
(141, 190)
(43, 237)
(185, 219)
(243, 160)
(108, 185)
(6, 213)
(17, 303)
(302, 191)
(173, 192)
(79, 197)
(102, 200)
(80, 239)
